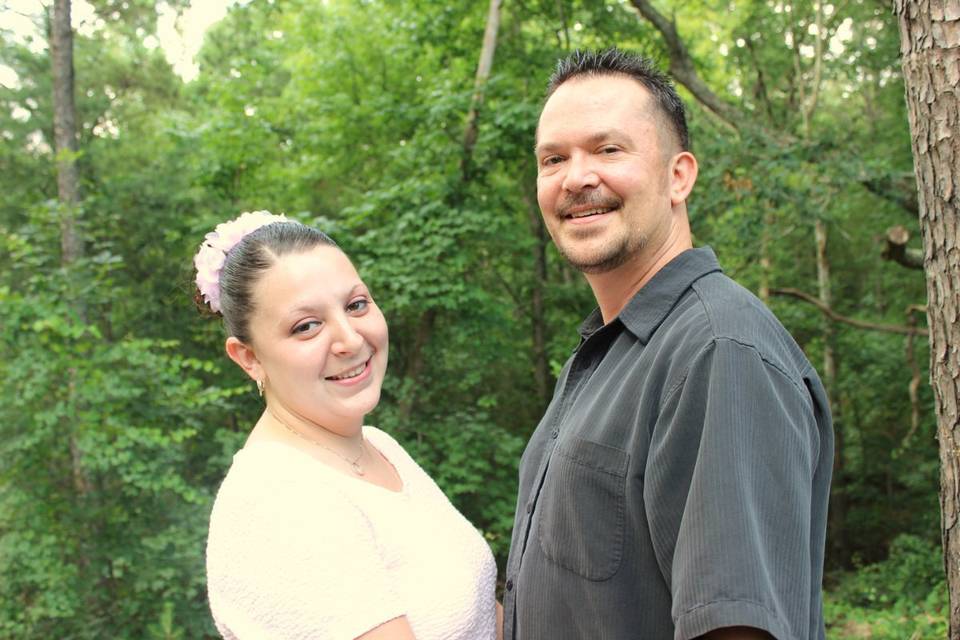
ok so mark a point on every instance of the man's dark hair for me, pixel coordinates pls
(614, 61)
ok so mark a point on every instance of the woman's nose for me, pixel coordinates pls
(347, 339)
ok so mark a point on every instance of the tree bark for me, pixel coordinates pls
(826, 297)
(68, 189)
(896, 249)
(65, 131)
(838, 515)
(930, 48)
(766, 264)
(484, 65)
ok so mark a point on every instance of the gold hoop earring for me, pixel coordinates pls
(260, 387)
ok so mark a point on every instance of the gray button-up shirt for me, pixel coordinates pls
(678, 482)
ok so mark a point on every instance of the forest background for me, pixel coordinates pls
(119, 413)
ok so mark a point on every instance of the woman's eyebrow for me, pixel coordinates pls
(311, 306)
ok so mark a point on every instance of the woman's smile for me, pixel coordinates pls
(352, 376)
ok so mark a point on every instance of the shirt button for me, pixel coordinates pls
(529, 507)
(509, 585)
(555, 433)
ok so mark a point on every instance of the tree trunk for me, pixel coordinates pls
(68, 190)
(484, 65)
(65, 131)
(826, 297)
(765, 262)
(415, 365)
(425, 326)
(930, 46)
(838, 508)
(538, 320)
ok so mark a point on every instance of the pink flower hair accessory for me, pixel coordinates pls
(218, 243)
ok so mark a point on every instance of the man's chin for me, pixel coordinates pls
(596, 262)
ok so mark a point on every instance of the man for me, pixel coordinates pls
(677, 486)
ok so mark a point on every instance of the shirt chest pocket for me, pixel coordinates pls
(581, 508)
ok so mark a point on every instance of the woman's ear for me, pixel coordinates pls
(245, 357)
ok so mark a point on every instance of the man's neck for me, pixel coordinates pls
(614, 289)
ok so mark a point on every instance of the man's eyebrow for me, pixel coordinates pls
(607, 136)
(601, 136)
(541, 148)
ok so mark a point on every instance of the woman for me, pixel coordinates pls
(323, 527)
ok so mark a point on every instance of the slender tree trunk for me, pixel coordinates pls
(484, 65)
(415, 365)
(425, 326)
(930, 46)
(538, 321)
(766, 232)
(65, 131)
(838, 507)
(68, 190)
(826, 297)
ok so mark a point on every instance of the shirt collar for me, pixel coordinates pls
(649, 306)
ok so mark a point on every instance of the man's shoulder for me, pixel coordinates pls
(719, 309)
(733, 311)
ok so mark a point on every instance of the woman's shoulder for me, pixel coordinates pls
(417, 481)
(391, 449)
(268, 479)
(264, 465)
(381, 439)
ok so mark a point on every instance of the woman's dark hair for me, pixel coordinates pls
(246, 263)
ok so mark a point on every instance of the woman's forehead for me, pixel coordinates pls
(296, 278)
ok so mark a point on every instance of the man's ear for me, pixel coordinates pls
(245, 357)
(683, 175)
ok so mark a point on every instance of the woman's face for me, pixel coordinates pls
(320, 341)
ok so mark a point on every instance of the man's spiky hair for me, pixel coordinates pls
(613, 61)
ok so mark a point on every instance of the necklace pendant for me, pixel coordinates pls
(357, 468)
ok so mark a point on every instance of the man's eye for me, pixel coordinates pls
(551, 160)
(305, 327)
(609, 150)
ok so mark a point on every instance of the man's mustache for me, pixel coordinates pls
(587, 200)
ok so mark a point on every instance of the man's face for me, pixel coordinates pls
(604, 172)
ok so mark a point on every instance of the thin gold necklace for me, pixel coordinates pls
(354, 464)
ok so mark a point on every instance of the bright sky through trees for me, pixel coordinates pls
(180, 37)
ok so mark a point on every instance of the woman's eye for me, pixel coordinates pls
(305, 327)
(360, 304)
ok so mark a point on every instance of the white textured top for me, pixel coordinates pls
(298, 549)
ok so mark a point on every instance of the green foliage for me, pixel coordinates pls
(475, 463)
(904, 596)
(120, 415)
(105, 491)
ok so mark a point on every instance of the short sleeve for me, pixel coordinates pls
(284, 563)
(728, 488)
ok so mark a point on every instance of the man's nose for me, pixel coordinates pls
(581, 173)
